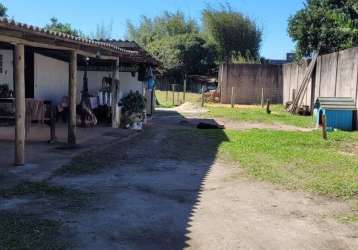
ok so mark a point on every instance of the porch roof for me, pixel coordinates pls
(12, 31)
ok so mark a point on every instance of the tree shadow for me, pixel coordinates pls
(147, 200)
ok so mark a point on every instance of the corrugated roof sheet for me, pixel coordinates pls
(122, 47)
(336, 103)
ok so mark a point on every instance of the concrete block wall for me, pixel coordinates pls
(248, 81)
(336, 75)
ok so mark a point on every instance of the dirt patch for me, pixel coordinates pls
(165, 189)
(254, 215)
(251, 125)
(350, 149)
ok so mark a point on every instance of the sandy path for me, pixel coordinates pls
(244, 214)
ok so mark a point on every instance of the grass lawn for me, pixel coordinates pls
(298, 160)
(257, 114)
(295, 160)
(168, 103)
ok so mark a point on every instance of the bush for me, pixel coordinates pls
(133, 108)
(133, 103)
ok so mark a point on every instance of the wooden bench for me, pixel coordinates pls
(8, 112)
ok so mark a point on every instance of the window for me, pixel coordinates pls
(1, 64)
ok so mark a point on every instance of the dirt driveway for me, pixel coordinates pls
(167, 191)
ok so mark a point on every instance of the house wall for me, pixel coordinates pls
(248, 81)
(7, 76)
(94, 82)
(50, 78)
(130, 83)
(127, 82)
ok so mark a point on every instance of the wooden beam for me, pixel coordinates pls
(20, 104)
(47, 45)
(72, 89)
(114, 90)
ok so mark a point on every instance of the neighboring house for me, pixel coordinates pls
(290, 57)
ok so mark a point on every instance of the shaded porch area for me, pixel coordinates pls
(42, 155)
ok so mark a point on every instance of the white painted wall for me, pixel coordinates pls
(128, 82)
(94, 82)
(51, 78)
(7, 76)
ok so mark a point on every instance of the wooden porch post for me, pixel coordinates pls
(72, 92)
(114, 91)
(20, 104)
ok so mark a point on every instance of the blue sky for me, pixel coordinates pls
(272, 15)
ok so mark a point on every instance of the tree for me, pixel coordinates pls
(184, 54)
(3, 10)
(166, 25)
(66, 28)
(233, 33)
(175, 41)
(325, 25)
(103, 32)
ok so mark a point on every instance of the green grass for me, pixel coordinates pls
(299, 160)
(168, 103)
(295, 160)
(90, 162)
(69, 198)
(29, 232)
(257, 114)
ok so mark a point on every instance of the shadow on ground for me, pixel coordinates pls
(145, 195)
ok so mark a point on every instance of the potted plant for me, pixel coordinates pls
(133, 109)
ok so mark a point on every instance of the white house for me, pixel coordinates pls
(44, 65)
(47, 77)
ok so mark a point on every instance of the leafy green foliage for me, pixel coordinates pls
(103, 31)
(166, 25)
(233, 33)
(134, 102)
(183, 48)
(66, 28)
(3, 10)
(187, 53)
(175, 41)
(328, 25)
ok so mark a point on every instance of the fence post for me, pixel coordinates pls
(232, 97)
(268, 110)
(262, 98)
(184, 89)
(167, 93)
(202, 96)
(173, 89)
(178, 100)
(324, 127)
